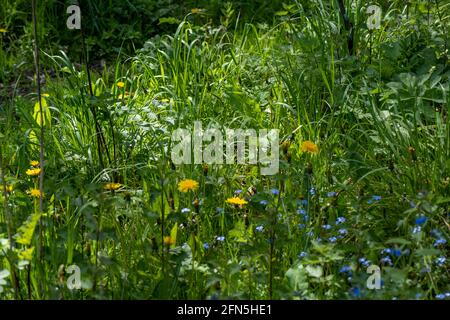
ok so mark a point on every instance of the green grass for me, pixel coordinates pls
(379, 118)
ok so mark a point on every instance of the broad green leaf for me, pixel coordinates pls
(45, 112)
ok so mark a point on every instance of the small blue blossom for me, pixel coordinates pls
(386, 251)
(301, 225)
(220, 210)
(439, 242)
(356, 292)
(304, 202)
(319, 239)
(345, 269)
(436, 233)
(185, 210)
(425, 270)
(305, 217)
(312, 191)
(412, 204)
(331, 194)
(302, 254)
(397, 252)
(417, 229)
(340, 220)
(280, 216)
(364, 262)
(440, 296)
(343, 232)
(275, 192)
(326, 227)
(264, 202)
(421, 220)
(206, 246)
(310, 233)
(376, 198)
(386, 260)
(440, 261)
(332, 239)
(220, 238)
(238, 191)
(259, 228)
(301, 211)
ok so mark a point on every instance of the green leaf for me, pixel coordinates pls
(173, 235)
(27, 229)
(427, 252)
(45, 112)
(169, 20)
(399, 241)
(296, 278)
(315, 272)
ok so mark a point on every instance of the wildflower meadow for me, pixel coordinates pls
(279, 150)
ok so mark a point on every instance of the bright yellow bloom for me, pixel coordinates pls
(33, 172)
(168, 240)
(112, 186)
(26, 254)
(36, 193)
(3, 30)
(9, 188)
(309, 146)
(45, 95)
(196, 10)
(187, 185)
(236, 201)
(34, 163)
(120, 84)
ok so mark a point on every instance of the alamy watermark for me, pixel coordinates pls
(231, 146)
(74, 20)
(74, 280)
(374, 19)
(374, 281)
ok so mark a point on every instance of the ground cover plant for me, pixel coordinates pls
(94, 205)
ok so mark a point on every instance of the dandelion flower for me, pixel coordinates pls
(34, 163)
(168, 240)
(120, 84)
(33, 172)
(35, 193)
(187, 185)
(9, 188)
(112, 186)
(309, 146)
(236, 201)
(3, 30)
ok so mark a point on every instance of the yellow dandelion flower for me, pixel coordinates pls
(45, 95)
(196, 10)
(26, 254)
(112, 186)
(34, 163)
(120, 84)
(35, 193)
(9, 188)
(33, 172)
(236, 201)
(168, 240)
(3, 30)
(309, 146)
(187, 185)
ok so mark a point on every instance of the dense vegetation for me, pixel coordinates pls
(364, 164)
